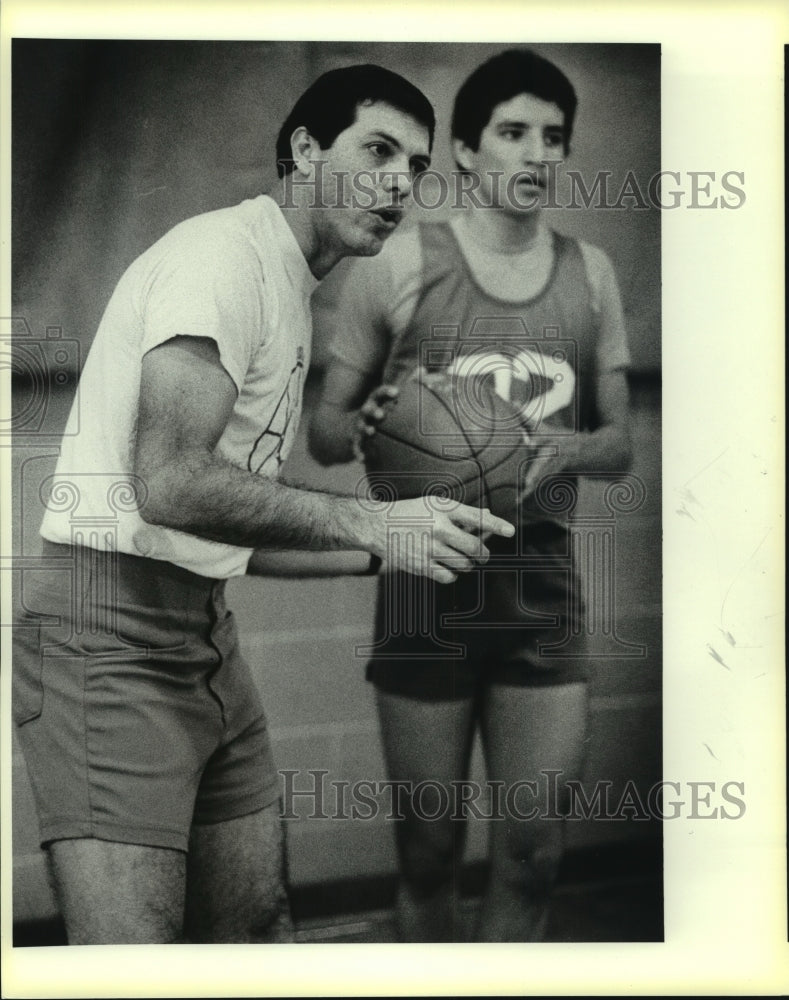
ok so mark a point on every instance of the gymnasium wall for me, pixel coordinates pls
(113, 144)
(116, 142)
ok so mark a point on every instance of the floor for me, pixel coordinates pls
(608, 911)
(621, 902)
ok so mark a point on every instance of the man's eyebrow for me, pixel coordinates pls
(516, 123)
(377, 134)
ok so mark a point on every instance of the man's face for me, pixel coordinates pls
(522, 134)
(367, 176)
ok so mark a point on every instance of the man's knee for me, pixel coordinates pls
(530, 861)
(260, 915)
(271, 920)
(264, 914)
(428, 854)
(236, 881)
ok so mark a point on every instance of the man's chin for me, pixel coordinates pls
(370, 245)
(522, 206)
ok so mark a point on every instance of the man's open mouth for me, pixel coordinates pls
(389, 215)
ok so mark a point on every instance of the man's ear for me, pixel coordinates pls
(304, 149)
(464, 155)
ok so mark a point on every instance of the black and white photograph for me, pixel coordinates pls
(383, 561)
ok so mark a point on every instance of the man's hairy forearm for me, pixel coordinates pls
(206, 496)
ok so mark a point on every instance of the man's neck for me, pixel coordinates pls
(503, 232)
(299, 212)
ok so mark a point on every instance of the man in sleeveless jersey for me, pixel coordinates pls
(140, 722)
(494, 292)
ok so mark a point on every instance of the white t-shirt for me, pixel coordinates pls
(238, 276)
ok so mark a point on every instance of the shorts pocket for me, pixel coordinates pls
(27, 698)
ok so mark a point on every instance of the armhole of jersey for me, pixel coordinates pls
(406, 268)
(593, 259)
(595, 262)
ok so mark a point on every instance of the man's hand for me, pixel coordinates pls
(437, 538)
(370, 415)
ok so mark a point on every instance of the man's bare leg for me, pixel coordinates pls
(526, 732)
(236, 881)
(111, 893)
(427, 741)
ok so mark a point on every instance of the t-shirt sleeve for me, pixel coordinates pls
(375, 300)
(613, 351)
(207, 284)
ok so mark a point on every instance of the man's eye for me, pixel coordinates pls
(554, 139)
(379, 149)
(512, 133)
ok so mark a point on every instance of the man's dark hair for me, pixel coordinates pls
(516, 71)
(329, 106)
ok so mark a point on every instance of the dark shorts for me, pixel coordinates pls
(514, 621)
(136, 713)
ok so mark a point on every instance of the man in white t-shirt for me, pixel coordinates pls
(140, 724)
(497, 293)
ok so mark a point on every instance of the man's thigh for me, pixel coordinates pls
(230, 887)
(111, 893)
(236, 880)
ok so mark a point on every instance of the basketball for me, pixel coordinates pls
(451, 436)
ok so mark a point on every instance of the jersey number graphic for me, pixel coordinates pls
(540, 382)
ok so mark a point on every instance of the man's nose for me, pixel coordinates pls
(398, 180)
(533, 149)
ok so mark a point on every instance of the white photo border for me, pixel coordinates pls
(723, 405)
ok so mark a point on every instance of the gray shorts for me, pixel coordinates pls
(519, 614)
(136, 713)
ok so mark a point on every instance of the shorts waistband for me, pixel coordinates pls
(134, 574)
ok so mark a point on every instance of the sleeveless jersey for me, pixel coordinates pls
(540, 351)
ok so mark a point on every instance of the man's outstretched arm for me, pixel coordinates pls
(186, 398)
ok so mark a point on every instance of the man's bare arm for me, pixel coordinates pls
(186, 398)
(351, 406)
(294, 564)
(608, 449)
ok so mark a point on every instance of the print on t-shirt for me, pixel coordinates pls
(266, 456)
